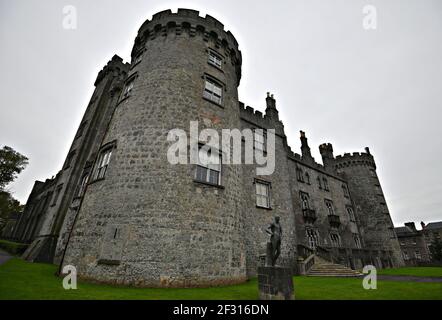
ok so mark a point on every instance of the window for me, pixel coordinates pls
(128, 87)
(209, 166)
(213, 91)
(345, 190)
(56, 195)
(83, 184)
(405, 255)
(260, 139)
(357, 240)
(307, 178)
(312, 238)
(305, 203)
(319, 182)
(335, 240)
(215, 59)
(417, 255)
(329, 205)
(324, 180)
(351, 214)
(299, 174)
(137, 58)
(262, 194)
(103, 163)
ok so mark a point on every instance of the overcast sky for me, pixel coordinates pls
(331, 78)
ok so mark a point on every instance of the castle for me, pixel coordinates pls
(121, 213)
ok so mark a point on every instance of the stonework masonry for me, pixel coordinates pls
(137, 219)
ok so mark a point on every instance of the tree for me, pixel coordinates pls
(11, 164)
(436, 249)
(8, 205)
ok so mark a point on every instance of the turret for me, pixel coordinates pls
(305, 149)
(271, 110)
(359, 169)
(326, 150)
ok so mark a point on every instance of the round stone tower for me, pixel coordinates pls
(365, 189)
(147, 222)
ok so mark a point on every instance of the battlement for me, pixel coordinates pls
(355, 159)
(115, 64)
(256, 117)
(189, 21)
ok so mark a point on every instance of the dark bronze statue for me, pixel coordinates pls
(274, 246)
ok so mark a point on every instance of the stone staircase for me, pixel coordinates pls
(323, 268)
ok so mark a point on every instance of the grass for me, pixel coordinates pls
(23, 280)
(413, 271)
(13, 248)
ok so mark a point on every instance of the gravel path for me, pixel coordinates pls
(409, 278)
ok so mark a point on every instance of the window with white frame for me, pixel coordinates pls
(417, 255)
(260, 138)
(262, 194)
(329, 205)
(209, 166)
(213, 91)
(312, 238)
(335, 240)
(351, 213)
(304, 200)
(103, 163)
(215, 59)
(83, 184)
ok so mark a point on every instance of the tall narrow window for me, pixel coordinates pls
(213, 91)
(215, 59)
(304, 200)
(357, 240)
(335, 240)
(325, 182)
(83, 184)
(312, 238)
(260, 138)
(318, 179)
(351, 213)
(299, 174)
(345, 190)
(307, 178)
(128, 87)
(209, 166)
(329, 205)
(262, 194)
(103, 163)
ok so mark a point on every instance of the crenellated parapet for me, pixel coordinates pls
(115, 66)
(189, 22)
(355, 159)
(259, 119)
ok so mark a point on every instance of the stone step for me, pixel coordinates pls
(328, 269)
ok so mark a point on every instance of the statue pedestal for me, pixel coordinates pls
(275, 283)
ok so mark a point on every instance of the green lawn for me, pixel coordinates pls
(414, 271)
(24, 280)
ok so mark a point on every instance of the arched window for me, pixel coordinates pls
(307, 178)
(324, 180)
(319, 182)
